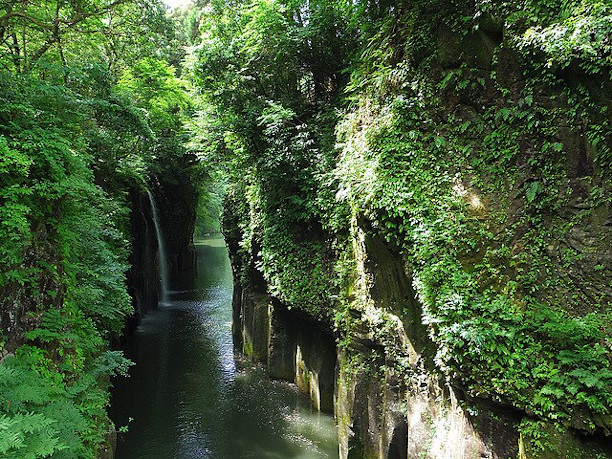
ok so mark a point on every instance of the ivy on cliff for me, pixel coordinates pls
(473, 137)
(269, 75)
(464, 169)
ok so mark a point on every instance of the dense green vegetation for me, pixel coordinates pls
(473, 138)
(90, 108)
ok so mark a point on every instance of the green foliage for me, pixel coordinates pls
(90, 108)
(153, 86)
(62, 275)
(45, 415)
(439, 181)
(269, 76)
(54, 38)
(454, 142)
(210, 206)
(580, 34)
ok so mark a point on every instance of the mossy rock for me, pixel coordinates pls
(551, 443)
(479, 48)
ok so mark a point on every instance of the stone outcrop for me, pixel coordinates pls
(391, 397)
(382, 412)
(176, 204)
(292, 347)
(177, 200)
(143, 277)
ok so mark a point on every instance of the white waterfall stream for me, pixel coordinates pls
(161, 251)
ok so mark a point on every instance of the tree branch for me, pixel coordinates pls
(57, 32)
(33, 20)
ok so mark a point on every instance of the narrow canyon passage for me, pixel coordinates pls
(188, 395)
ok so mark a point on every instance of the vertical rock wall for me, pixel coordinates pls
(143, 276)
(176, 206)
(381, 383)
(292, 347)
(177, 201)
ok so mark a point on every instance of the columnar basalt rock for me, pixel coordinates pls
(381, 383)
(467, 245)
(391, 401)
(142, 278)
(292, 347)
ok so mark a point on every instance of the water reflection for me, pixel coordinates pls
(190, 398)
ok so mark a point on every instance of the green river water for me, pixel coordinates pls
(191, 397)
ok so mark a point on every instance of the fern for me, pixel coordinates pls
(38, 417)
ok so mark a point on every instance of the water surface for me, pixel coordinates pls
(190, 398)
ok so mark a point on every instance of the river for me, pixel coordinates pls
(190, 397)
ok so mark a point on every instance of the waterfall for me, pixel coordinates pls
(161, 251)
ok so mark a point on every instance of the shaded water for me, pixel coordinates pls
(190, 398)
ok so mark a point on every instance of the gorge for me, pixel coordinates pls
(416, 203)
